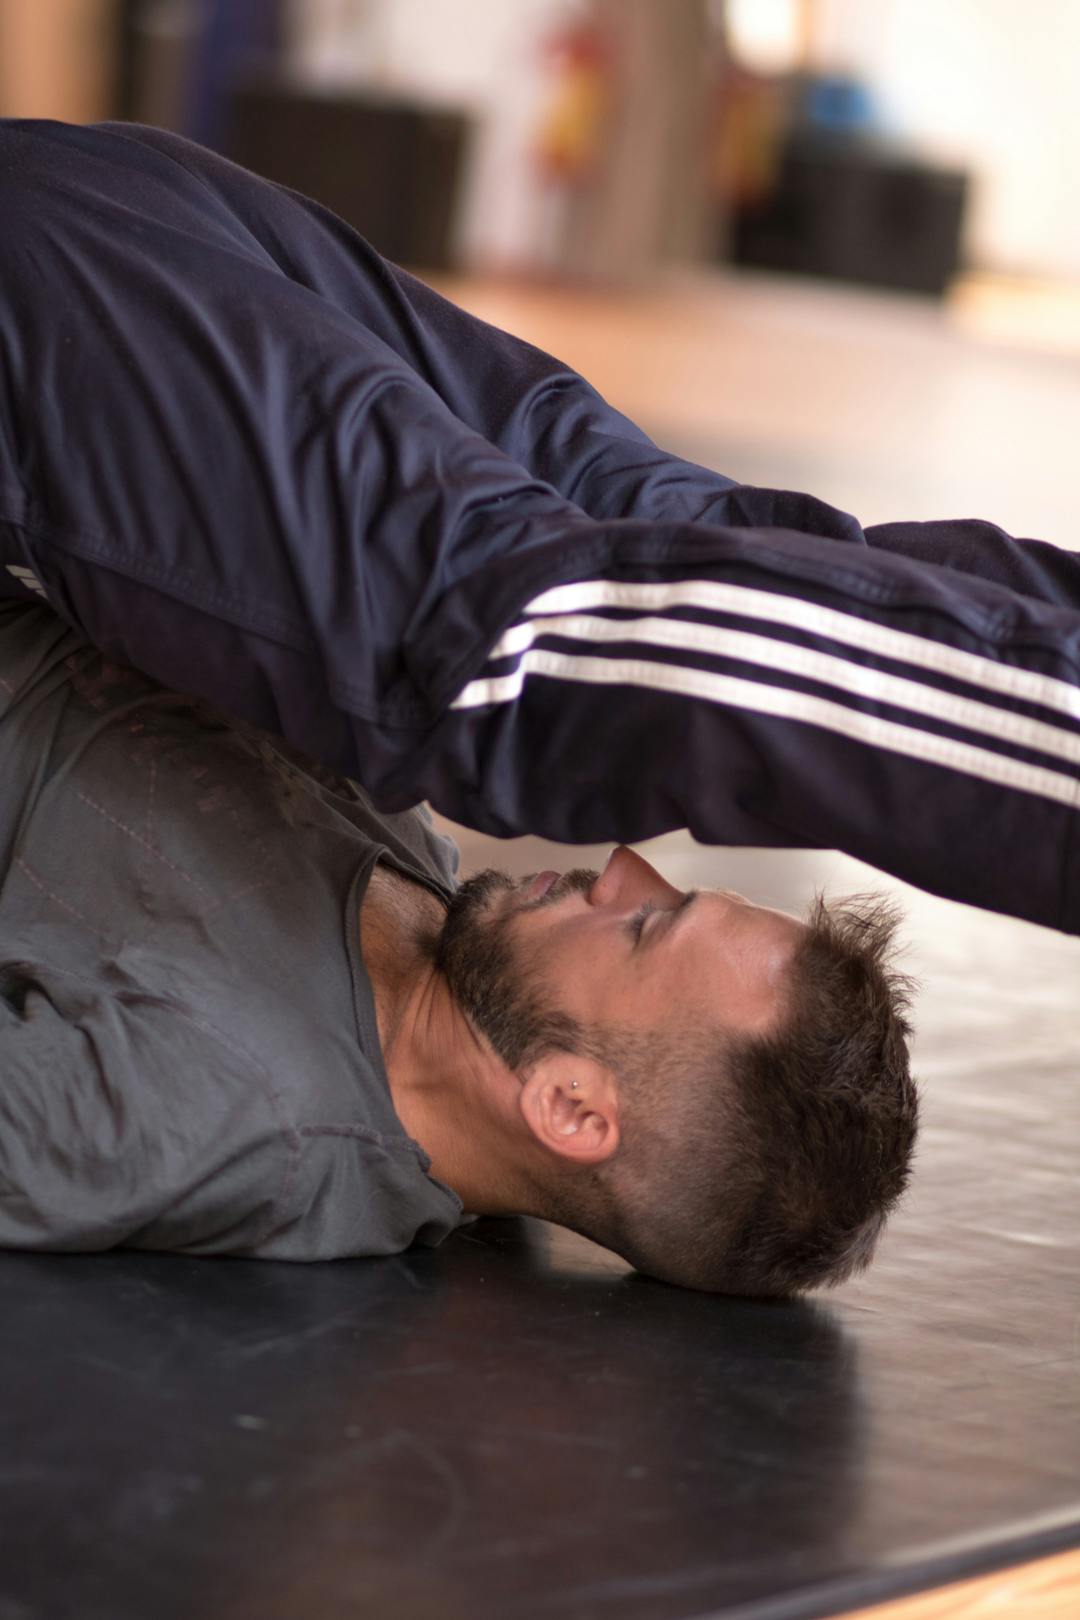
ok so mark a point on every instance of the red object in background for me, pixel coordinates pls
(572, 132)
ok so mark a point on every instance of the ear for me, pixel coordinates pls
(570, 1105)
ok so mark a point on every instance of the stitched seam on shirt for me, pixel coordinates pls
(359, 1132)
(151, 792)
(145, 843)
(65, 905)
(279, 1207)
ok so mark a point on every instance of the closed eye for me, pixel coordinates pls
(637, 921)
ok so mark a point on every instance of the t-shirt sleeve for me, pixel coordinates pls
(124, 1116)
(102, 1143)
(152, 1092)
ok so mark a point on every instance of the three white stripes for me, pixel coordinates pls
(561, 611)
(25, 577)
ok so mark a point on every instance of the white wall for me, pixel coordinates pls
(482, 54)
(992, 84)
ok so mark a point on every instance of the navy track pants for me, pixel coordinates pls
(244, 453)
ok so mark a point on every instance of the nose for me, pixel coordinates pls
(628, 879)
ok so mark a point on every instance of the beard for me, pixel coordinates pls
(497, 981)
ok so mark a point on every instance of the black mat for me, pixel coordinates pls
(515, 1427)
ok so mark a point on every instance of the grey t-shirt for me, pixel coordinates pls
(189, 1057)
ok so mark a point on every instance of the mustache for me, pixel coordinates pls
(578, 880)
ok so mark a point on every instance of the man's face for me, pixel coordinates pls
(618, 948)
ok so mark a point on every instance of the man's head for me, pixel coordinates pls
(714, 1089)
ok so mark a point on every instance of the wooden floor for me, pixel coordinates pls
(1047, 1590)
(890, 407)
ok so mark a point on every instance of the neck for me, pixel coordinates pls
(448, 1089)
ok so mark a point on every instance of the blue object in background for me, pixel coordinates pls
(233, 36)
(837, 105)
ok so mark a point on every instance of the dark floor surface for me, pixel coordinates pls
(516, 1427)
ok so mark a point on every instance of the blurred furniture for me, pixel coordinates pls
(856, 211)
(175, 61)
(390, 167)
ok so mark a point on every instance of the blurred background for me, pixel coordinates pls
(888, 142)
(830, 245)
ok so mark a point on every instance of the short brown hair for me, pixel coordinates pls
(774, 1167)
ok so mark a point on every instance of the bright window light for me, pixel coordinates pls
(765, 35)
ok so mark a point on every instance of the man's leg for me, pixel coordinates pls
(538, 411)
(770, 688)
(543, 415)
(223, 478)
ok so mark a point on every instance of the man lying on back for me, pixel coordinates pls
(291, 545)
